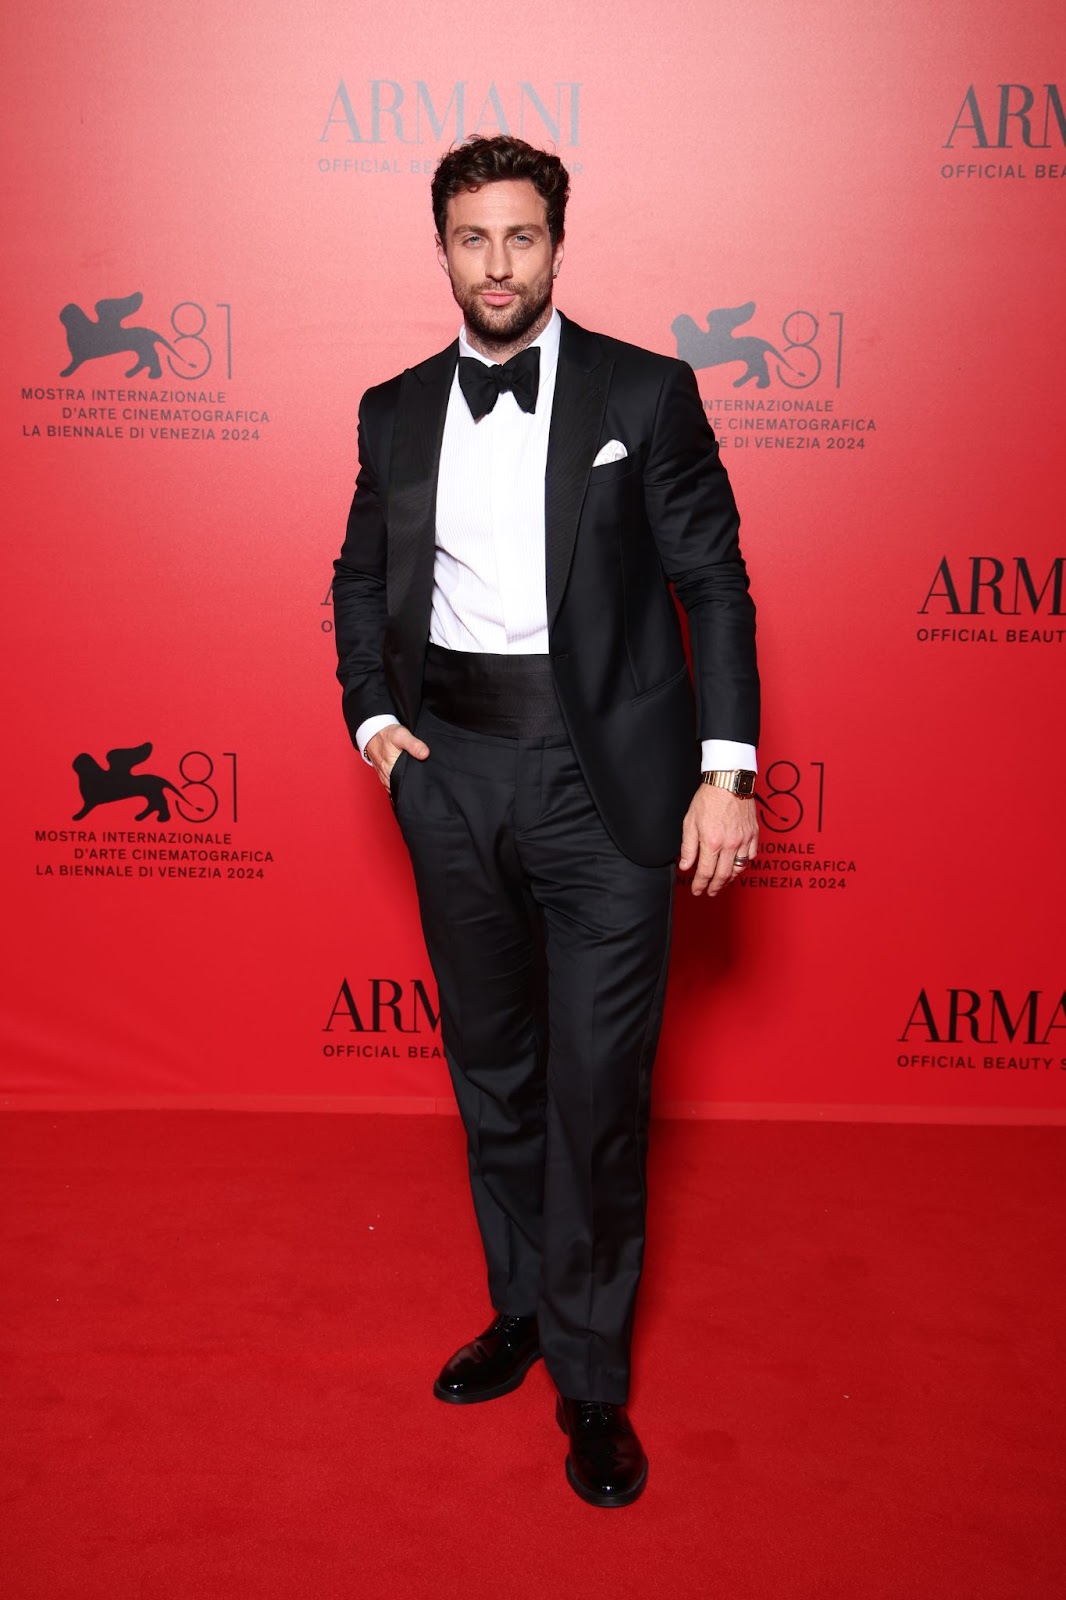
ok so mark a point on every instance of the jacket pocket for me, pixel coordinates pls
(396, 772)
(660, 688)
(611, 471)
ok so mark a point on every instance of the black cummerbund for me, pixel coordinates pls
(512, 697)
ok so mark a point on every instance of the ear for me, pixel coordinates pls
(557, 259)
(442, 254)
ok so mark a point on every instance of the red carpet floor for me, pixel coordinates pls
(220, 1332)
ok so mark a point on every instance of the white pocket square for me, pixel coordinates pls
(613, 450)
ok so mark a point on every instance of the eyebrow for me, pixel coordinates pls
(519, 227)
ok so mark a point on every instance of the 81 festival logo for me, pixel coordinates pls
(805, 355)
(199, 342)
(794, 853)
(200, 842)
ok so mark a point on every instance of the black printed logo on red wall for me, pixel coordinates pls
(999, 129)
(1019, 117)
(163, 398)
(986, 599)
(801, 846)
(986, 1016)
(108, 335)
(389, 1018)
(386, 111)
(196, 799)
(1010, 586)
(1010, 1036)
(117, 781)
(797, 365)
(168, 818)
(789, 369)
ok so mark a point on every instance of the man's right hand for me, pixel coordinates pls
(385, 748)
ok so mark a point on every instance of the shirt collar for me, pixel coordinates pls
(547, 341)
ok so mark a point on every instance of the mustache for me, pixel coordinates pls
(501, 288)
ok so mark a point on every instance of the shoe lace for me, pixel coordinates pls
(596, 1411)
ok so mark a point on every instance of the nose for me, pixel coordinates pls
(498, 266)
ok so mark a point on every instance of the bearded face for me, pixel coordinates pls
(501, 262)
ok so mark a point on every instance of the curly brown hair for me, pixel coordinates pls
(479, 161)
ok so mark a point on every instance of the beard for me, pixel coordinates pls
(508, 324)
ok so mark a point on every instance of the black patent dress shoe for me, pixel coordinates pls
(493, 1364)
(606, 1465)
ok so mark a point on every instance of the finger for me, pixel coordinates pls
(744, 854)
(723, 871)
(689, 842)
(705, 869)
(411, 743)
(385, 761)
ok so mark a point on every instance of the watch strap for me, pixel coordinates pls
(736, 781)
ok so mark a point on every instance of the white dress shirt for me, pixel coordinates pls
(489, 590)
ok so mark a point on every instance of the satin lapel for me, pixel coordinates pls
(577, 416)
(412, 505)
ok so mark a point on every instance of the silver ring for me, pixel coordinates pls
(740, 861)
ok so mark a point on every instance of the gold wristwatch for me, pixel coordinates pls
(737, 781)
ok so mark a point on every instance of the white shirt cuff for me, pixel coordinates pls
(366, 731)
(725, 755)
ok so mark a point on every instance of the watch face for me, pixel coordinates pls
(745, 783)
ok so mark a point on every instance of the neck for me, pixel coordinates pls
(503, 349)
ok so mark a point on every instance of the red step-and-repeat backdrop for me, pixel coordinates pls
(849, 222)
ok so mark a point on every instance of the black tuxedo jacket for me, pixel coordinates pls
(618, 537)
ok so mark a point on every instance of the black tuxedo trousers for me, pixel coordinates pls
(550, 950)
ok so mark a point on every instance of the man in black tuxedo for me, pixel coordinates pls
(513, 667)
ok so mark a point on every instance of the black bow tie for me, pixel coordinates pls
(482, 385)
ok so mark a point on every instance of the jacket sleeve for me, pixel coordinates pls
(360, 606)
(695, 525)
